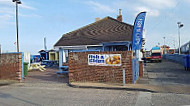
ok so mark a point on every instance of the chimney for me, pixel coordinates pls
(119, 17)
(97, 19)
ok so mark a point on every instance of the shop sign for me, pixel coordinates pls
(104, 59)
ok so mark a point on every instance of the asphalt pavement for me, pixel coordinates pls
(165, 73)
(49, 92)
(44, 94)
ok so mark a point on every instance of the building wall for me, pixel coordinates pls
(11, 66)
(53, 56)
(80, 71)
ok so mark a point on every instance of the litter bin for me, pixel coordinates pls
(187, 62)
(25, 68)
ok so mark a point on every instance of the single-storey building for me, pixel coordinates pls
(52, 55)
(107, 34)
(44, 54)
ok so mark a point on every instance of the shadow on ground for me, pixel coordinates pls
(48, 76)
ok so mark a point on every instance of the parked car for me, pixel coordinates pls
(156, 57)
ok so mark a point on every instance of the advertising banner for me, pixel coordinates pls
(138, 30)
(137, 43)
(104, 59)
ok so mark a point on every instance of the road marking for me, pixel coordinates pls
(144, 99)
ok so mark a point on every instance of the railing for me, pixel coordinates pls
(174, 57)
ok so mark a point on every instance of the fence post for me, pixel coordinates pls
(123, 76)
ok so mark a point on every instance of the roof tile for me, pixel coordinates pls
(105, 30)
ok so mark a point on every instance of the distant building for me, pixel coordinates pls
(52, 55)
(165, 49)
(171, 51)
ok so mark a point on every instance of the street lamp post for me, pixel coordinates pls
(17, 40)
(180, 25)
(164, 46)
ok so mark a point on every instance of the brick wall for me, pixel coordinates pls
(11, 66)
(80, 71)
(141, 68)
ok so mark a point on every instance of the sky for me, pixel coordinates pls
(53, 18)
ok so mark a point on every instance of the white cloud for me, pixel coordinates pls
(153, 7)
(4, 20)
(135, 8)
(100, 7)
(12, 4)
(188, 1)
(6, 2)
(27, 7)
(7, 12)
(150, 12)
(5, 17)
(30, 15)
(160, 4)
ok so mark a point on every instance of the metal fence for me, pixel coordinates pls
(174, 57)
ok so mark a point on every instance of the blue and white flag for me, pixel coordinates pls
(138, 31)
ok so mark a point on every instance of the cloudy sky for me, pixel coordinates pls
(52, 18)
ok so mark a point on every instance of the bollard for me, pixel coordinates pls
(123, 76)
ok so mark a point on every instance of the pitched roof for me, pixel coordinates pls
(105, 30)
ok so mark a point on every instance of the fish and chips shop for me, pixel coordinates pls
(103, 51)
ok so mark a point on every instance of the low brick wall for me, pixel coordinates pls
(11, 66)
(140, 68)
(80, 71)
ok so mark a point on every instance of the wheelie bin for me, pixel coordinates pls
(187, 62)
(25, 68)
